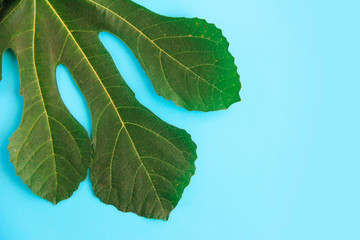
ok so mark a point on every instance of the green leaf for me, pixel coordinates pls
(187, 60)
(139, 163)
(50, 150)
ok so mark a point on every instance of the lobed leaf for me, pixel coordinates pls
(139, 163)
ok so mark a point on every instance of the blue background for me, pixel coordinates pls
(282, 164)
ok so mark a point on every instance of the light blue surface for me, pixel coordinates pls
(283, 164)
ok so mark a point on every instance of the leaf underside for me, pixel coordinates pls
(139, 163)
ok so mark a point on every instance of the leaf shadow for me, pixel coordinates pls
(10, 115)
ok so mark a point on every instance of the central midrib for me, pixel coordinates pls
(43, 102)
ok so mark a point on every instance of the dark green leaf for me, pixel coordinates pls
(187, 60)
(50, 150)
(140, 163)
